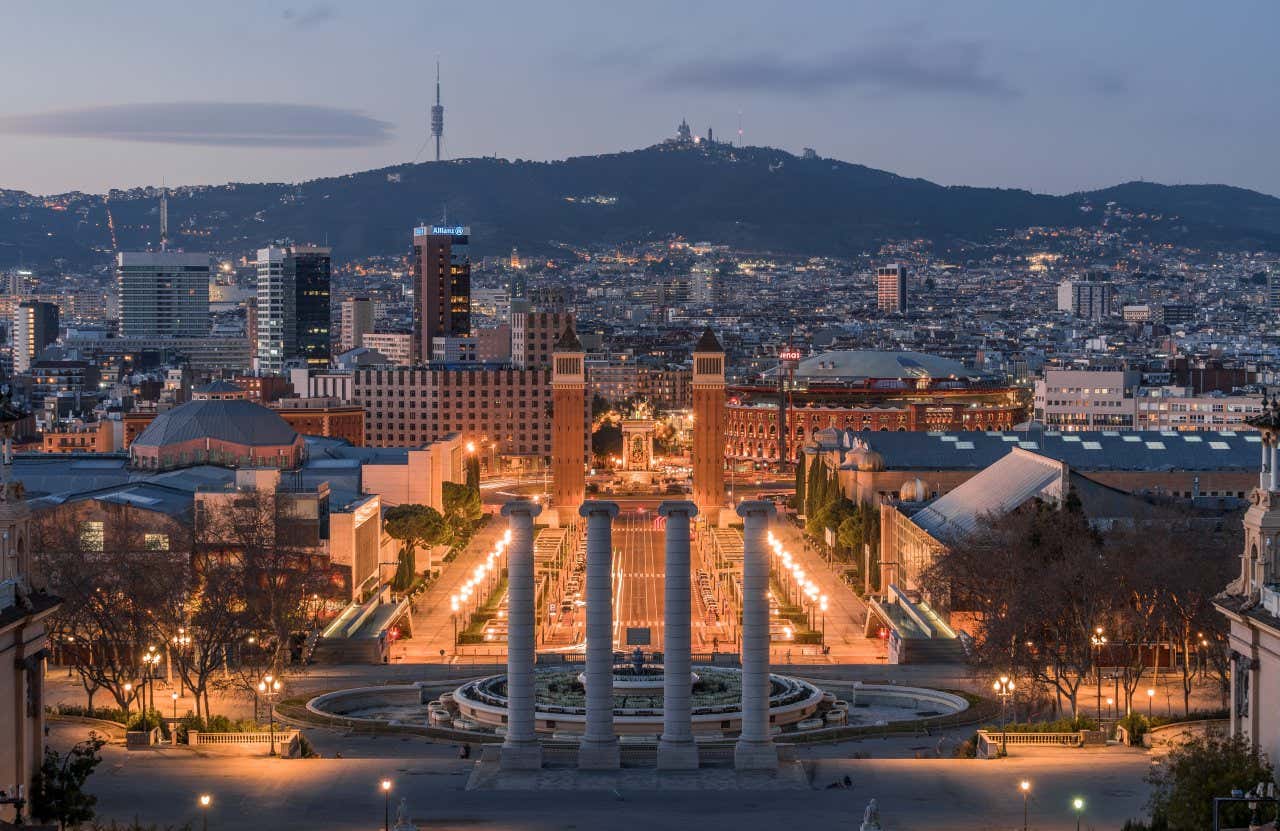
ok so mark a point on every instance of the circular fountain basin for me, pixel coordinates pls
(795, 705)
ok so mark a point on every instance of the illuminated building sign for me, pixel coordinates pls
(442, 231)
(789, 355)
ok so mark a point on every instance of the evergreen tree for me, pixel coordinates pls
(473, 473)
(798, 503)
(57, 794)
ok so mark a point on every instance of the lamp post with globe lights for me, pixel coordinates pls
(1098, 640)
(1025, 787)
(1004, 687)
(269, 687)
(1151, 697)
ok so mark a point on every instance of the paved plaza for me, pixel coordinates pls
(342, 793)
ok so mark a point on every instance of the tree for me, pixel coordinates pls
(606, 441)
(413, 526)
(259, 534)
(798, 502)
(57, 790)
(1193, 773)
(462, 508)
(473, 473)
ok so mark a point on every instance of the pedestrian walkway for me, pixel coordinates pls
(432, 617)
(846, 613)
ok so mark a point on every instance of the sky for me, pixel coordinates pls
(1053, 97)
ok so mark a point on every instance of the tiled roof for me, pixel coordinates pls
(236, 421)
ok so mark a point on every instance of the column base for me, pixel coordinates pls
(675, 755)
(597, 755)
(755, 756)
(522, 756)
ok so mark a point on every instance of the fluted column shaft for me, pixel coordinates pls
(755, 749)
(676, 749)
(1275, 464)
(599, 747)
(1264, 473)
(520, 748)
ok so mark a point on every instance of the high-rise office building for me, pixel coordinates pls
(163, 293)
(292, 306)
(357, 321)
(441, 286)
(311, 266)
(891, 289)
(35, 326)
(1273, 289)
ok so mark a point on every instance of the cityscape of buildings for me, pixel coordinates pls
(475, 457)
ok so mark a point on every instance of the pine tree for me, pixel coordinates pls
(798, 503)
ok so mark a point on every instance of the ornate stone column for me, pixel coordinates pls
(676, 748)
(599, 747)
(520, 748)
(755, 749)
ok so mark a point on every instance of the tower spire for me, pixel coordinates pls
(437, 115)
(164, 217)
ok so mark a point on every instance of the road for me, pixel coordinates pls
(638, 571)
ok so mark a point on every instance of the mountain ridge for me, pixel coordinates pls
(751, 197)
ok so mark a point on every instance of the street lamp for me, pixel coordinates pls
(386, 805)
(128, 694)
(1151, 696)
(822, 604)
(268, 687)
(205, 801)
(174, 696)
(1111, 706)
(1004, 688)
(1098, 640)
(1077, 805)
(1025, 787)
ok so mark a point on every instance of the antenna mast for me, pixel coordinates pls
(437, 115)
(164, 218)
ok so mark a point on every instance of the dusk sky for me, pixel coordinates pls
(1053, 98)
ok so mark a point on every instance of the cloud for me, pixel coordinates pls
(900, 66)
(210, 123)
(313, 15)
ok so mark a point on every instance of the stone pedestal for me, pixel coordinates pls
(520, 748)
(755, 749)
(598, 749)
(676, 748)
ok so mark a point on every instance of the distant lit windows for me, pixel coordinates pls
(155, 542)
(93, 536)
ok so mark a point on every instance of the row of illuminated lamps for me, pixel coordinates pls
(470, 587)
(1024, 787)
(807, 587)
(205, 801)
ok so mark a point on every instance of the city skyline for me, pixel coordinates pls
(994, 94)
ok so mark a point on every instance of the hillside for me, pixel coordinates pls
(756, 198)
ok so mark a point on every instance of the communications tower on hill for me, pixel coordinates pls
(437, 115)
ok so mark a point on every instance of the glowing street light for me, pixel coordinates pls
(1151, 696)
(386, 805)
(1098, 640)
(204, 801)
(1077, 805)
(269, 687)
(1025, 787)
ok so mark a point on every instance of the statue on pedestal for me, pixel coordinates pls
(403, 823)
(871, 818)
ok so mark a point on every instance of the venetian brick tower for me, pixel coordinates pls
(708, 426)
(568, 428)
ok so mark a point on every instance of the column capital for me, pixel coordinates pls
(678, 506)
(598, 506)
(521, 506)
(756, 506)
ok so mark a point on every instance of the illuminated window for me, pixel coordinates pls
(93, 536)
(155, 542)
